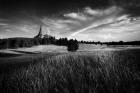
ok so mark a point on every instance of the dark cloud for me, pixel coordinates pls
(48, 7)
(131, 7)
(58, 7)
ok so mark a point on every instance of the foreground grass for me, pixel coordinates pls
(99, 72)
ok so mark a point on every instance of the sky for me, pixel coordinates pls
(90, 20)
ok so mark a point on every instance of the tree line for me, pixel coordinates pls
(72, 45)
(111, 43)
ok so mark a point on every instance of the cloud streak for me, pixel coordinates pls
(100, 17)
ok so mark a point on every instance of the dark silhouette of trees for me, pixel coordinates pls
(72, 45)
(62, 42)
(29, 42)
(123, 43)
(4, 43)
(16, 42)
(36, 41)
(111, 43)
(50, 40)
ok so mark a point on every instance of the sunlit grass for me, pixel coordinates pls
(80, 72)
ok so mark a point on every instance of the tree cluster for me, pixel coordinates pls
(90, 42)
(111, 43)
(123, 43)
(16, 42)
(29, 42)
(73, 45)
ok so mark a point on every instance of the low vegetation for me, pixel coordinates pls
(88, 72)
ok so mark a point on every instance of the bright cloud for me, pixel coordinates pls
(100, 17)
(99, 12)
(80, 22)
(88, 24)
(108, 24)
(78, 16)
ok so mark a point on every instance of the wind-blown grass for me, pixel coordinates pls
(99, 72)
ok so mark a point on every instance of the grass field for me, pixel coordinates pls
(21, 55)
(102, 71)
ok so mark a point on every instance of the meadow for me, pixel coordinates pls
(102, 71)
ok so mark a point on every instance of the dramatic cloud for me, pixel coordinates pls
(99, 20)
(90, 24)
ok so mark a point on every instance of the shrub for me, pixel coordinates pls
(73, 45)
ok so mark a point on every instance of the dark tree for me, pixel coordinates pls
(14, 43)
(36, 41)
(73, 45)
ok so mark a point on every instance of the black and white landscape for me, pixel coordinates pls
(69, 46)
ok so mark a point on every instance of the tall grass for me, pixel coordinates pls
(99, 72)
